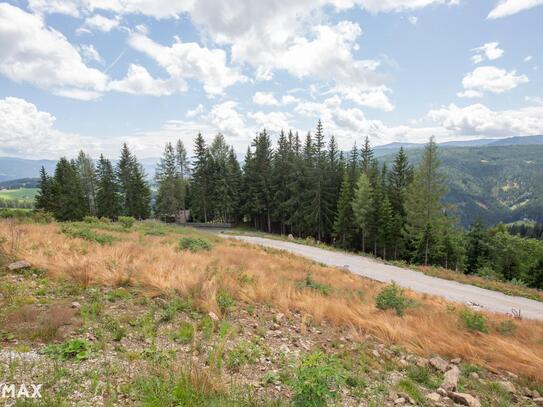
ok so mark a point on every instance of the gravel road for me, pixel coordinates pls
(467, 294)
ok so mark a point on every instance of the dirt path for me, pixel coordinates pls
(463, 293)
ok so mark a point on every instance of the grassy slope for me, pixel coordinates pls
(144, 308)
(21, 194)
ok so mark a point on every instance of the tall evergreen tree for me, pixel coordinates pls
(107, 198)
(69, 198)
(343, 225)
(477, 247)
(361, 205)
(424, 206)
(134, 189)
(171, 192)
(201, 180)
(44, 197)
(366, 156)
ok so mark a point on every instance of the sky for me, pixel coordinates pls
(92, 74)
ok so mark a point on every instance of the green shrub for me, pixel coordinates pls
(507, 328)
(318, 380)
(116, 330)
(78, 349)
(86, 234)
(407, 386)
(126, 221)
(393, 297)
(90, 219)
(185, 333)
(194, 244)
(310, 283)
(242, 354)
(473, 321)
(40, 216)
(207, 325)
(225, 300)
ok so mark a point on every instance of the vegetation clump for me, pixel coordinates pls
(77, 349)
(194, 244)
(473, 321)
(393, 297)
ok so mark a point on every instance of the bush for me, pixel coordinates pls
(185, 333)
(86, 234)
(194, 244)
(473, 321)
(507, 328)
(310, 283)
(225, 300)
(78, 349)
(393, 297)
(318, 380)
(243, 353)
(126, 221)
(90, 219)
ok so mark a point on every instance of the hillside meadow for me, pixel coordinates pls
(148, 256)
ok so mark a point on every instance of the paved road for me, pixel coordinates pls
(463, 293)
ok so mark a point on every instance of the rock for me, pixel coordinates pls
(213, 316)
(535, 394)
(433, 397)
(422, 362)
(464, 399)
(439, 363)
(404, 363)
(508, 386)
(76, 305)
(399, 401)
(446, 401)
(19, 265)
(538, 401)
(450, 379)
(456, 361)
(442, 392)
(474, 376)
(376, 353)
(395, 378)
(290, 237)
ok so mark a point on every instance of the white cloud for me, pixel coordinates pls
(265, 99)
(68, 7)
(190, 61)
(528, 58)
(490, 79)
(90, 54)
(536, 100)
(273, 121)
(375, 98)
(101, 23)
(138, 81)
(413, 20)
(490, 50)
(509, 7)
(225, 117)
(376, 6)
(288, 99)
(31, 52)
(479, 119)
(26, 131)
(196, 112)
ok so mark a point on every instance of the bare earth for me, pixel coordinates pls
(451, 290)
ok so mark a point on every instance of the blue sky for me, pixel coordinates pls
(92, 74)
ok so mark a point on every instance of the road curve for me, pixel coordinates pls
(464, 293)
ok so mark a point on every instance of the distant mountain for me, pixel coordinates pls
(15, 168)
(495, 183)
(510, 141)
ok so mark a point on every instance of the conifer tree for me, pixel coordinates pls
(171, 191)
(424, 206)
(477, 247)
(44, 198)
(366, 156)
(361, 205)
(107, 198)
(68, 195)
(201, 180)
(344, 214)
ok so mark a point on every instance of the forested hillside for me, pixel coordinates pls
(497, 184)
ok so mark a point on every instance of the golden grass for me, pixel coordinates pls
(253, 274)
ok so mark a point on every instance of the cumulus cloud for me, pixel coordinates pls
(273, 121)
(196, 111)
(490, 79)
(509, 7)
(100, 23)
(31, 52)
(225, 117)
(378, 6)
(480, 120)
(90, 54)
(28, 132)
(490, 51)
(138, 81)
(265, 99)
(190, 61)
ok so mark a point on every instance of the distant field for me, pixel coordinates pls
(22, 194)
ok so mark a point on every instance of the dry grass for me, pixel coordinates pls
(253, 274)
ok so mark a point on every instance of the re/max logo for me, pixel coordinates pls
(17, 391)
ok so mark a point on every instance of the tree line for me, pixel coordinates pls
(304, 186)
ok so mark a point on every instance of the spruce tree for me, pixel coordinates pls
(424, 207)
(366, 156)
(477, 247)
(44, 198)
(68, 196)
(201, 180)
(107, 198)
(361, 205)
(344, 214)
(124, 173)
(171, 191)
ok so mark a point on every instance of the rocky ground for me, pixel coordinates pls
(116, 347)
